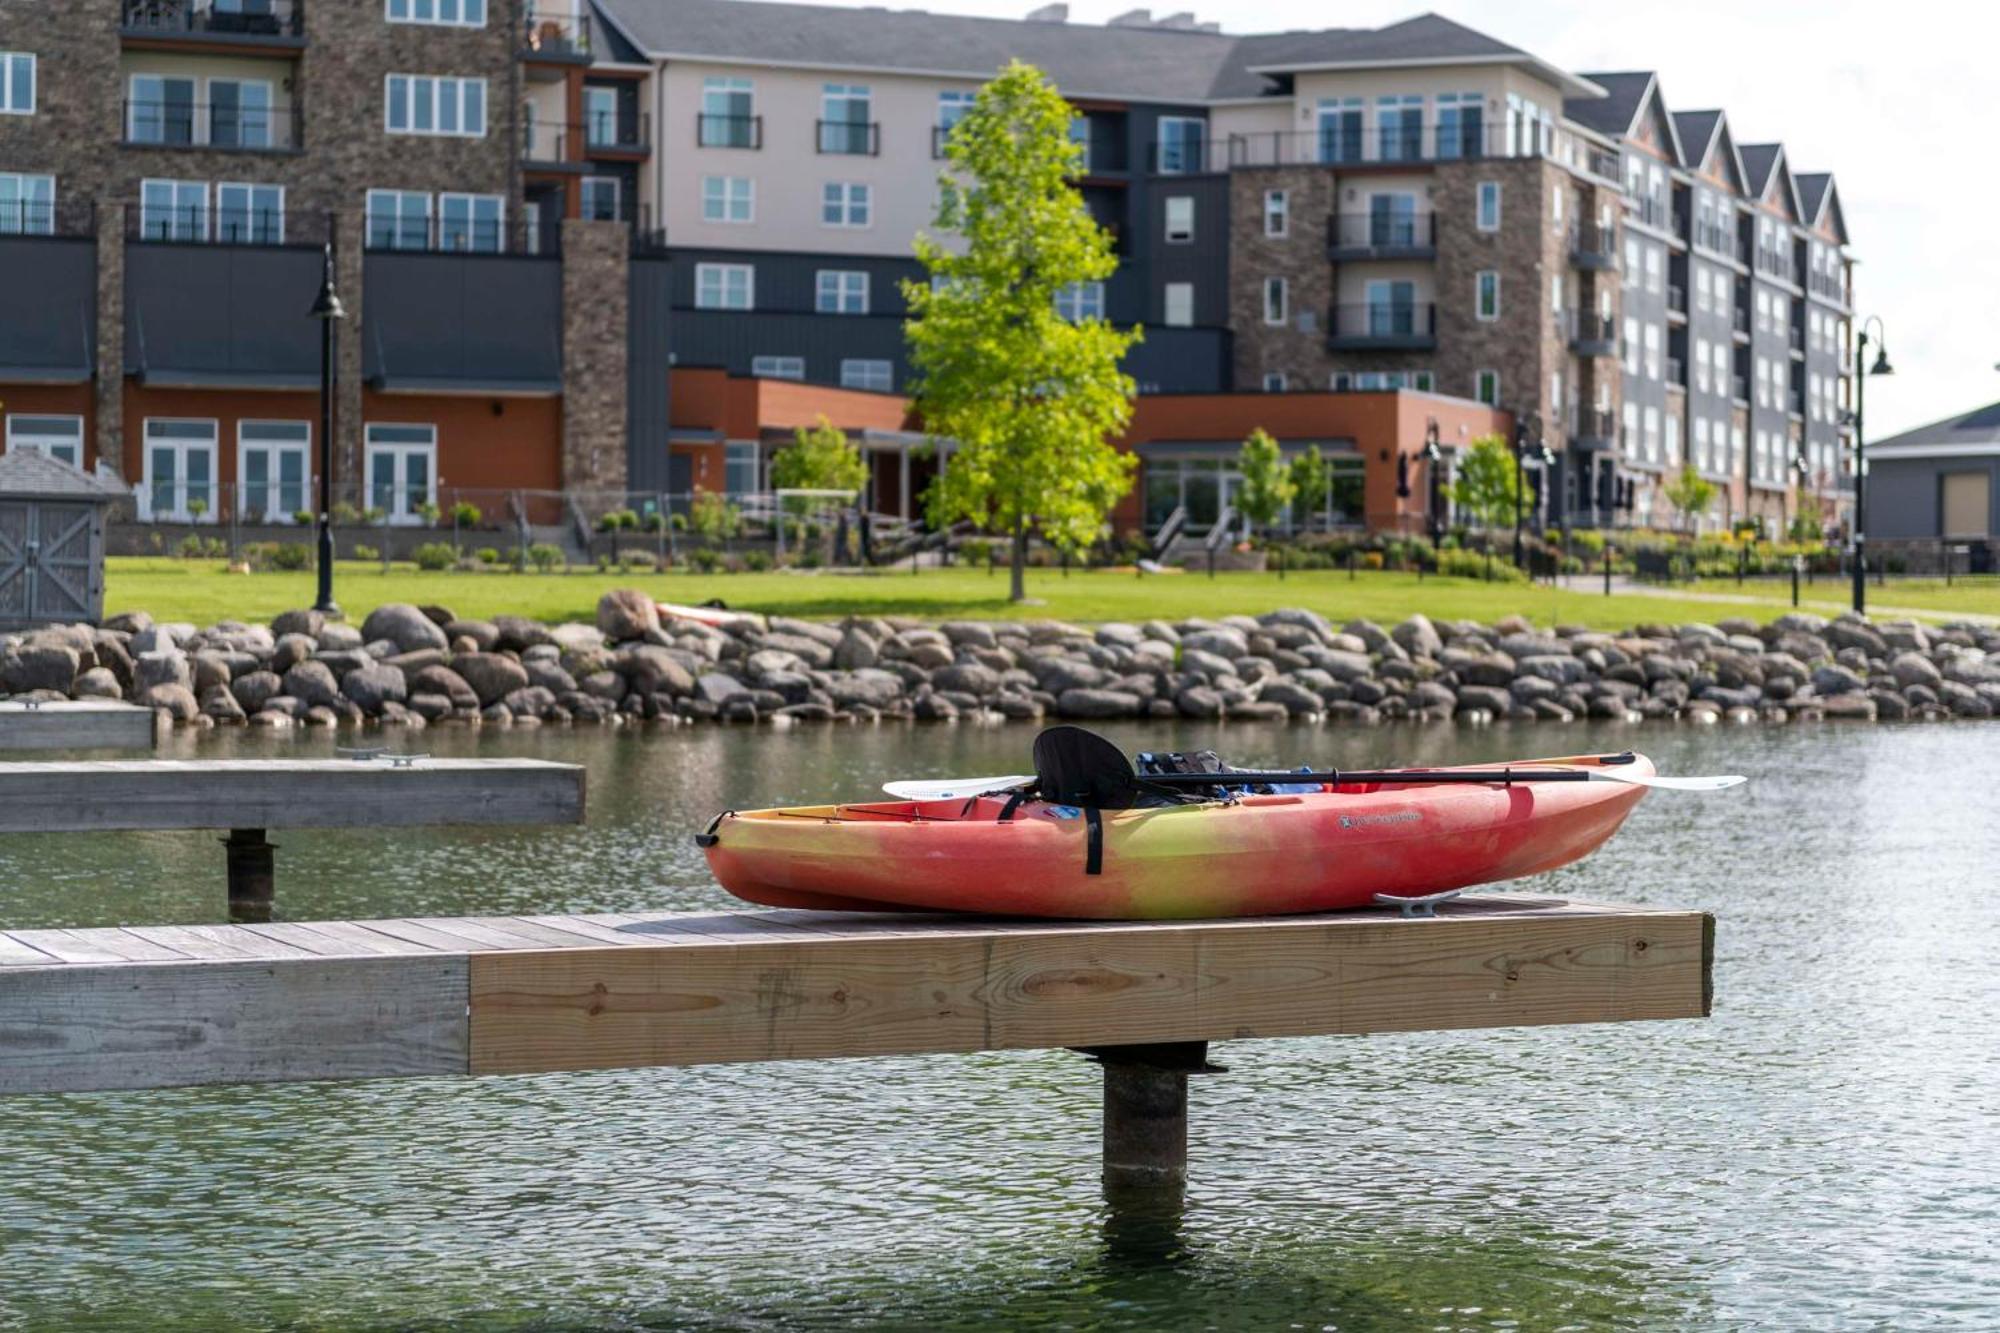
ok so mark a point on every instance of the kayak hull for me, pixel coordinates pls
(1258, 856)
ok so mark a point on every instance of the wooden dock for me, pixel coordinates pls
(79, 724)
(148, 1007)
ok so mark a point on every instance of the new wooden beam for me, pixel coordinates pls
(155, 1007)
(80, 724)
(285, 793)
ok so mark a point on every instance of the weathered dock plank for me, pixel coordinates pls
(79, 724)
(500, 995)
(285, 794)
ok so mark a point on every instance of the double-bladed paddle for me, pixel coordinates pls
(944, 789)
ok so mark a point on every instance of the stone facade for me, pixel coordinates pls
(596, 292)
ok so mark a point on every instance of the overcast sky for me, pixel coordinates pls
(1896, 99)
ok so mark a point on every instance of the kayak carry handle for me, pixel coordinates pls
(1426, 905)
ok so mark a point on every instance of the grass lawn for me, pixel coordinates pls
(204, 592)
(1830, 595)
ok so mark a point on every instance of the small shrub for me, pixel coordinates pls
(713, 517)
(810, 557)
(434, 556)
(1472, 565)
(304, 518)
(679, 522)
(367, 553)
(654, 522)
(618, 520)
(291, 556)
(189, 547)
(1371, 560)
(702, 560)
(545, 557)
(429, 512)
(346, 513)
(487, 555)
(757, 562)
(604, 565)
(466, 514)
(641, 560)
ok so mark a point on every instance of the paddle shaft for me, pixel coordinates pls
(1336, 777)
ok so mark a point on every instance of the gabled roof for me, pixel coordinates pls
(1819, 201)
(1696, 131)
(1764, 163)
(1617, 111)
(31, 472)
(1131, 62)
(1970, 433)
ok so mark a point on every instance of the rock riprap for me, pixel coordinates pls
(409, 666)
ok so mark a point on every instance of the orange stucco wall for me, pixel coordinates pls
(742, 407)
(66, 400)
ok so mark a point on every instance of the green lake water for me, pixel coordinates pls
(1824, 1153)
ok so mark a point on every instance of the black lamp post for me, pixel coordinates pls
(328, 311)
(1434, 486)
(1528, 427)
(1862, 370)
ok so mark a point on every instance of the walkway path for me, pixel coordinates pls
(1621, 584)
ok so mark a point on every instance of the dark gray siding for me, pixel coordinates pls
(787, 282)
(1905, 496)
(1181, 361)
(732, 339)
(48, 291)
(222, 314)
(1204, 261)
(463, 321)
(649, 355)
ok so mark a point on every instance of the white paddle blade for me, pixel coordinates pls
(1713, 783)
(947, 789)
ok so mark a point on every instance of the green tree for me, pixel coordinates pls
(1312, 480)
(1028, 397)
(1690, 493)
(1267, 488)
(819, 458)
(1487, 486)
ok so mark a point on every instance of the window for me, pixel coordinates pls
(1556, 205)
(1079, 134)
(173, 210)
(1080, 301)
(1399, 128)
(1555, 391)
(844, 204)
(1180, 219)
(1653, 434)
(1277, 299)
(448, 13)
(1556, 292)
(953, 103)
(845, 119)
(1701, 365)
(1634, 269)
(601, 198)
(1177, 304)
(726, 120)
(739, 467)
(727, 199)
(17, 83)
(160, 110)
(1340, 129)
(250, 214)
(860, 373)
(724, 286)
(1179, 148)
(1488, 216)
(401, 467)
(1486, 387)
(61, 438)
(841, 292)
(471, 223)
(1459, 121)
(399, 220)
(27, 204)
(1631, 345)
(600, 115)
(779, 367)
(1654, 256)
(421, 104)
(179, 480)
(239, 113)
(1486, 294)
(1629, 436)
(1277, 213)
(1274, 381)
(1700, 458)
(1735, 449)
(1652, 351)
(271, 470)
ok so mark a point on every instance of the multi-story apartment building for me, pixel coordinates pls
(539, 213)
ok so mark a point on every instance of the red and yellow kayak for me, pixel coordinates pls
(1252, 856)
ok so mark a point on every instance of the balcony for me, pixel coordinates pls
(1739, 321)
(1797, 338)
(555, 38)
(1677, 300)
(1676, 372)
(253, 216)
(1828, 285)
(848, 138)
(1337, 145)
(267, 24)
(1593, 335)
(1739, 390)
(1353, 236)
(1593, 247)
(460, 234)
(712, 131)
(1601, 163)
(231, 126)
(1653, 213)
(1593, 430)
(40, 217)
(616, 134)
(1382, 327)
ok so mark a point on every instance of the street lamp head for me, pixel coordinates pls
(1882, 366)
(327, 304)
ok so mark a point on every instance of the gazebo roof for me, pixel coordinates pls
(30, 472)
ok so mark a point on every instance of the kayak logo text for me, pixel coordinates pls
(1363, 821)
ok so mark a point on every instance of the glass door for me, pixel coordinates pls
(1392, 220)
(1391, 307)
(1340, 130)
(180, 471)
(402, 477)
(272, 470)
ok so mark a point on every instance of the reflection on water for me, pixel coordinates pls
(1819, 1154)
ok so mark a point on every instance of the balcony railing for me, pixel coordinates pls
(1345, 145)
(1714, 236)
(711, 131)
(1592, 246)
(1677, 299)
(228, 19)
(549, 141)
(1653, 212)
(856, 138)
(1592, 427)
(1739, 388)
(242, 224)
(1798, 338)
(546, 36)
(1383, 325)
(1676, 371)
(466, 236)
(1739, 320)
(618, 132)
(1772, 261)
(225, 125)
(1377, 235)
(1593, 334)
(1828, 284)
(29, 217)
(1601, 163)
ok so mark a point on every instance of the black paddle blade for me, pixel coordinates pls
(1081, 768)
